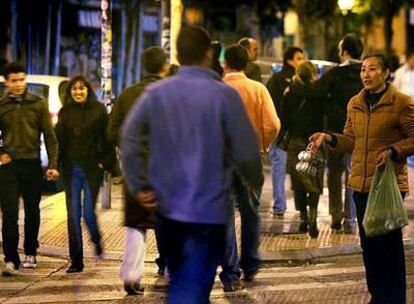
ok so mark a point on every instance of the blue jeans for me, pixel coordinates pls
(230, 263)
(193, 253)
(278, 158)
(250, 227)
(78, 182)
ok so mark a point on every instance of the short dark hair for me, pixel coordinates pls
(79, 78)
(154, 59)
(13, 67)
(353, 45)
(245, 41)
(236, 57)
(290, 53)
(193, 42)
(382, 59)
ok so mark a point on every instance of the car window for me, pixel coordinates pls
(39, 89)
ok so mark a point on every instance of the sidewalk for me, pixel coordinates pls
(280, 240)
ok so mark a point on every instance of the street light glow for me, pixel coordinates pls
(346, 5)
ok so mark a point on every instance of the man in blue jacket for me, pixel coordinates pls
(199, 134)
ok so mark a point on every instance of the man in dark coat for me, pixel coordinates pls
(137, 217)
(252, 69)
(23, 118)
(336, 88)
(277, 85)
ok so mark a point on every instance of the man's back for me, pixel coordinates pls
(258, 105)
(337, 87)
(190, 118)
(123, 105)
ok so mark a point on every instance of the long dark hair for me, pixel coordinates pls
(79, 78)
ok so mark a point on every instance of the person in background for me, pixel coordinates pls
(252, 70)
(404, 76)
(84, 152)
(277, 85)
(137, 218)
(380, 124)
(199, 133)
(335, 88)
(23, 118)
(262, 114)
(303, 117)
(216, 66)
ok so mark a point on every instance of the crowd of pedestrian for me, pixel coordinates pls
(192, 144)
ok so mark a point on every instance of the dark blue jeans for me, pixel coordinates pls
(250, 226)
(193, 253)
(384, 260)
(230, 263)
(88, 183)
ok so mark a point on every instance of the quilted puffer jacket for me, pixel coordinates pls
(390, 124)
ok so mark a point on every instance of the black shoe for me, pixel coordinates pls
(313, 230)
(99, 253)
(249, 276)
(278, 215)
(133, 289)
(160, 272)
(303, 227)
(74, 268)
(233, 287)
(336, 225)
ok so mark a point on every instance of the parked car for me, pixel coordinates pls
(52, 89)
(268, 67)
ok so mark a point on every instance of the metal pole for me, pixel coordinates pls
(106, 84)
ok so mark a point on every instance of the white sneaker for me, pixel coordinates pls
(9, 270)
(30, 261)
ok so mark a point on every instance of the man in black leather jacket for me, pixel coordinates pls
(336, 87)
(23, 118)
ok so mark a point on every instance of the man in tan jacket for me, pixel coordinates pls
(262, 114)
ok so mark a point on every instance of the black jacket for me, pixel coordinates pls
(81, 132)
(123, 105)
(22, 121)
(307, 120)
(336, 88)
(277, 85)
(253, 71)
(136, 215)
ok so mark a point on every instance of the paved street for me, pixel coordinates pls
(297, 269)
(327, 280)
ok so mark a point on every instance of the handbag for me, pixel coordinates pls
(385, 210)
(283, 139)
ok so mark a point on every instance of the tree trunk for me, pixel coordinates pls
(300, 9)
(388, 32)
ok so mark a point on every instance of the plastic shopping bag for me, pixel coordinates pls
(385, 209)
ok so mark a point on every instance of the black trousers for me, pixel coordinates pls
(20, 178)
(384, 260)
